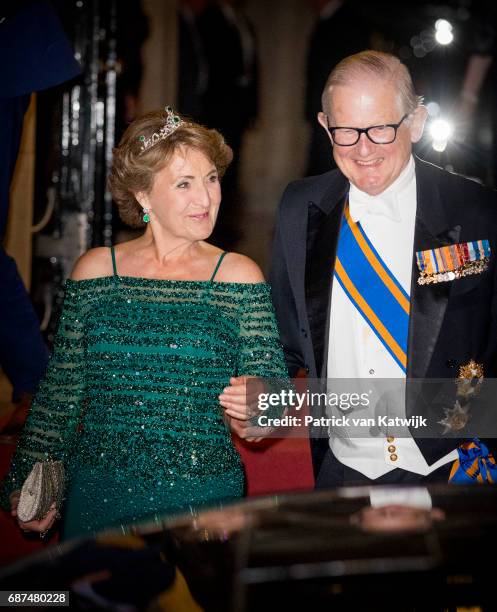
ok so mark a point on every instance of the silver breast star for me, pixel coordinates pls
(455, 418)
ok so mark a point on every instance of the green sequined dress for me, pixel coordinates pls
(130, 397)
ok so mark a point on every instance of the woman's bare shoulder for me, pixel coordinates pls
(238, 268)
(95, 263)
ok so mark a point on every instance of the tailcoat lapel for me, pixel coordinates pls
(323, 227)
(295, 252)
(428, 302)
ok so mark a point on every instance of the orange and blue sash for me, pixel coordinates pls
(475, 464)
(373, 289)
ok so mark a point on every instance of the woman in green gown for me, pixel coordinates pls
(155, 341)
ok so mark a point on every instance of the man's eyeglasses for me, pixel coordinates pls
(379, 134)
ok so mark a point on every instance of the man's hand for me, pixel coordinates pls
(245, 430)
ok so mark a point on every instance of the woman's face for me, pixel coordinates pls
(185, 196)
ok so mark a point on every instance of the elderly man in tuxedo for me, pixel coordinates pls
(385, 268)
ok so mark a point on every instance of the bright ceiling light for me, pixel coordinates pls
(443, 32)
(443, 24)
(444, 37)
(441, 129)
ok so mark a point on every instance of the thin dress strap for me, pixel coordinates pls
(114, 267)
(219, 261)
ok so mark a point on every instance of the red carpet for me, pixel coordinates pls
(280, 464)
(274, 466)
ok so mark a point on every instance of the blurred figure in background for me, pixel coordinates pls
(475, 107)
(337, 33)
(39, 57)
(448, 47)
(193, 68)
(132, 31)
(231, 99)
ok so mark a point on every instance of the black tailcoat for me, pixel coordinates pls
(450, 323)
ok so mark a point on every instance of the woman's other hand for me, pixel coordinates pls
(41, 526)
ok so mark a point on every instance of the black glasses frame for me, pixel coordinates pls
(360, 131)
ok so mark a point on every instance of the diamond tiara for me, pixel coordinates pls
(173, 122)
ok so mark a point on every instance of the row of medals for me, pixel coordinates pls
(470, 267)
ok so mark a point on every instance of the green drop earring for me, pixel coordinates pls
(146, 215)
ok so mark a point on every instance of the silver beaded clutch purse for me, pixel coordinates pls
(43, 486)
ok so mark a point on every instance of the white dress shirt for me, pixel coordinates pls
(355, 351)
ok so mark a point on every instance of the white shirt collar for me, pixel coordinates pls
(387, 203)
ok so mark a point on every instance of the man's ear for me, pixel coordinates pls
(324, 123)
(418, 119)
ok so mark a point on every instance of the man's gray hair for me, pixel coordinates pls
(376, 64)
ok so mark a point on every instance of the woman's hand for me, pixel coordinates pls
(240, 403)
(240, 400)
(41, 526)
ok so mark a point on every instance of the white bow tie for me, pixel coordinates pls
(361, 205)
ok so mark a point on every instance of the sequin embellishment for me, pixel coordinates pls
(130, 397)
